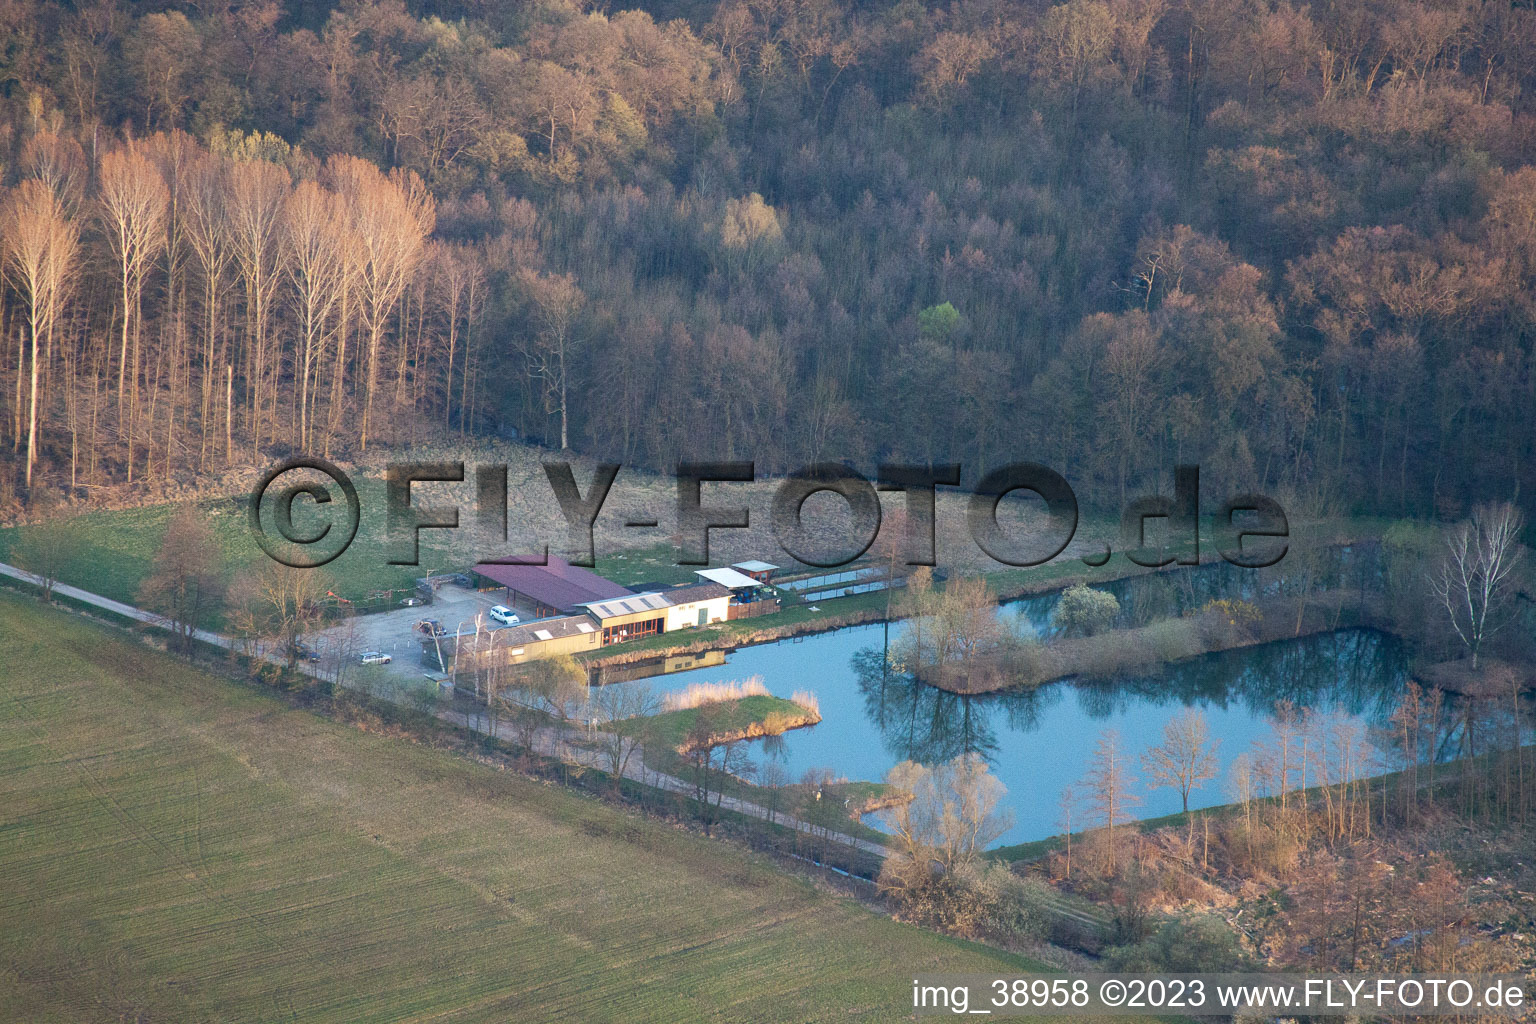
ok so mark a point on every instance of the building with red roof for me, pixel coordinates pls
(557, 587)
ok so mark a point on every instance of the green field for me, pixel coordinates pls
(179, 847)
(116, 547)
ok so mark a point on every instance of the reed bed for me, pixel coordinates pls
(699, 694)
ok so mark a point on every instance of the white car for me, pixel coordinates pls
(501, 613)
(375, 658)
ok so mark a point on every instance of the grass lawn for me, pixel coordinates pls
(179, 847)
(655, 564)
(117, 547)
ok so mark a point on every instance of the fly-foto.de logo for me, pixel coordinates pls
(1251, 529)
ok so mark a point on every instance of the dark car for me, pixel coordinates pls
(304, 652)
(431, 627)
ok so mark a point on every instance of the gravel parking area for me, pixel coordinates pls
(394, 632)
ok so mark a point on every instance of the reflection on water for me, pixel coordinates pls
(1356, 672)
(1173, 591)
(667, 665)
(1038, 741)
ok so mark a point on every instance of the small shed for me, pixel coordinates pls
(757, 569)
(750, 596)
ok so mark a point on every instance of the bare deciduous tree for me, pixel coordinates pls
(40, 244)
(551, 352)
(953, 814)
(1186, 759)
(279, 603)
(618, 744)
(391, 219)
(1474, 576)
(134, 201)
(208, 239)
(459, 282)
(1108, 784)
(312, 240)
(58, 162)
(44, 550)
(186, 581)
(256, 191)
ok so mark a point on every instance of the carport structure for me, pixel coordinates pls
(554, 588)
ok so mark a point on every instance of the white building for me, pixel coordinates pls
(697, 605)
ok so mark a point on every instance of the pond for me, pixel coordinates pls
(1040, 741)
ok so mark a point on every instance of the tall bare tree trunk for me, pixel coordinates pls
(134, 203)
(40, 244)
(257, 191)
(391, 218)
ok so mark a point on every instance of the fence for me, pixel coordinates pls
(752, 609)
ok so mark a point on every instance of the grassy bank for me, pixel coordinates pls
(729, 720)
(180, 847)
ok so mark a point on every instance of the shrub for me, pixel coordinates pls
(1199, 943)
(1228, 620)
(920, 891)
(1172, 639)
(1015, 907)
(1083, 611)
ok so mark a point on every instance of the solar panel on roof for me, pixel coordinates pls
(585, 627)
(543, 634)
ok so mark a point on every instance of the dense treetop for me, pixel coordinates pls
(1293, 242)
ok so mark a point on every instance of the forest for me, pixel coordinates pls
(1291, 242)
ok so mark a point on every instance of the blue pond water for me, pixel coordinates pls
(1040, 741)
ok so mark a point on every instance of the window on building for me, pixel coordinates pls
(631, 631)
